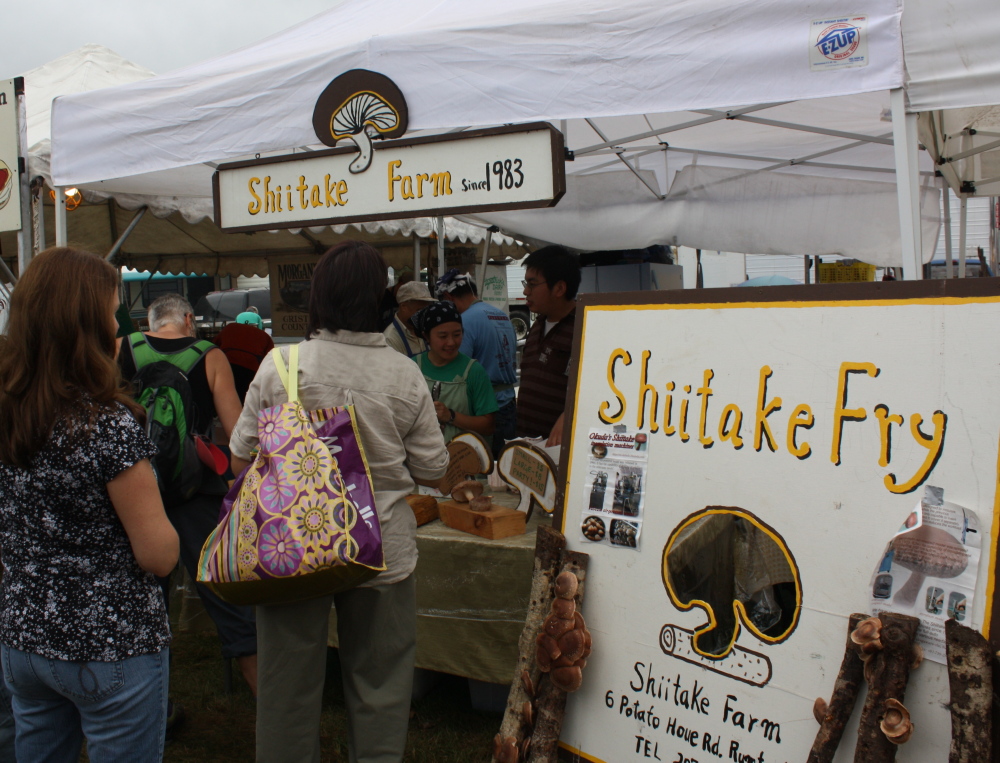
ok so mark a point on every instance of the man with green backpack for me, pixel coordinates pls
(184, 384)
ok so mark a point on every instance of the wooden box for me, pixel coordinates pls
(498, 522)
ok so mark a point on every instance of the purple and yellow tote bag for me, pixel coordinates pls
(300, 521)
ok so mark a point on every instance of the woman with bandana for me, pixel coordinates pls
(460, 386)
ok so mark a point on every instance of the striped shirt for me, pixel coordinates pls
(544, 381)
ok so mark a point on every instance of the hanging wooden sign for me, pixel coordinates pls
(513, 167)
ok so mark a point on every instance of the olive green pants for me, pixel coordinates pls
(377, 631)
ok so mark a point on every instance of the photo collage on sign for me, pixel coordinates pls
(929, 569)
(616, 485)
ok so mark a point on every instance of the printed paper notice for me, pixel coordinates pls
(929, 569)
(616, 482)
(838, 43)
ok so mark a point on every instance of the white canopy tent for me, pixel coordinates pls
(176, 236)
(696, 122)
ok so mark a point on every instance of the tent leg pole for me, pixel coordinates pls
(11, 278)
(904, 137)
(487, 242)
(61, 236)
(994, 253)
(963, 230)
(416, 258)
(440, 247)
(126, 233)
(949, 271)
(40, 238)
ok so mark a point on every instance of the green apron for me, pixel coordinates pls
(454, 394)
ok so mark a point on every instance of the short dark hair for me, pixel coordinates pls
(556, 264)
(347, 288)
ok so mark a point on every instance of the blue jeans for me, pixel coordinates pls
(6, 725)
(121, 707)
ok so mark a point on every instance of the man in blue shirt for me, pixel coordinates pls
(489, 338)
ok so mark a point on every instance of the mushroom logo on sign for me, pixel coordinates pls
(740, 572)
(360, 105)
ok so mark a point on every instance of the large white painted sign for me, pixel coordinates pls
(736, 471)
(500, 168)
(10, 198)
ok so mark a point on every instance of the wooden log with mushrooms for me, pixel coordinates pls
(833, 716)
(884, 724)
(518, 720)
(970, 678)
(566, 628)
(926, 550)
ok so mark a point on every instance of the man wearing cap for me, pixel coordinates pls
(400, 334)
(489, 338)
(251, 317)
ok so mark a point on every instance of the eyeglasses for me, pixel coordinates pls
(530, 285)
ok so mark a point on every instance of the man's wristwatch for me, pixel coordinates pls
(451, 414)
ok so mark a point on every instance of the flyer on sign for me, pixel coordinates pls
(613, 514)
(929, 569)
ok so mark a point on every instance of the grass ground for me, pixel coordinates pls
(219, 727)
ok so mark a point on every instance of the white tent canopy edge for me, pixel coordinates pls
(464, 64)
(183, 240)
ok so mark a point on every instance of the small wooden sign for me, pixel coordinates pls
(469, 455)
(531, 472)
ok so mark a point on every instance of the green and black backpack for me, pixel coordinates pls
(161, 386)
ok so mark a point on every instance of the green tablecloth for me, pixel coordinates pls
(472, 598)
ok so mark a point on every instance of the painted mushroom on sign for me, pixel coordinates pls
(739, 571)
(360, 105)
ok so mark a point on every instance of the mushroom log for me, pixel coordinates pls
(564, 644)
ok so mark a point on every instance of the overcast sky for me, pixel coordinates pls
(160, 36)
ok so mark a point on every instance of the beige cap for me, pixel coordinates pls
(414, 291)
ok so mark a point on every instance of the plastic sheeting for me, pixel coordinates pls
(614, 73)
(470, 62)
(951, 53)
(728, 209)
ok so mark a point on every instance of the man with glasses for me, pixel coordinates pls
(552, 277)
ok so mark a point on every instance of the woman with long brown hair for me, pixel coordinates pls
(83, 630)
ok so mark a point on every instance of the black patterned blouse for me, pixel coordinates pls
(72, 589)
